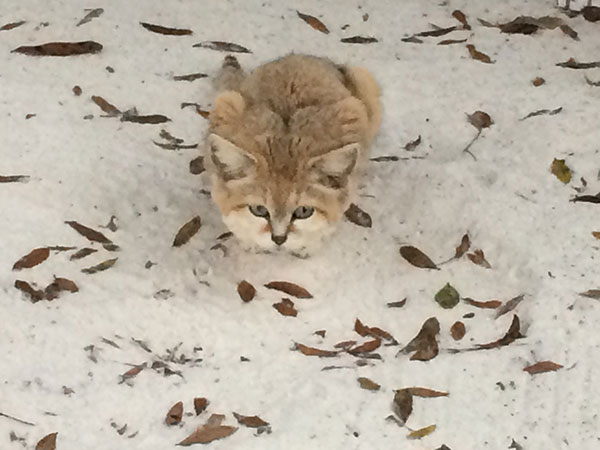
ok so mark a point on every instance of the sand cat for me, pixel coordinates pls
(284, 147)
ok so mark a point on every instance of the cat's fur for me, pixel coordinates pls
(292, 133)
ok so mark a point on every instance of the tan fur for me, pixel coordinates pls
(290, 134)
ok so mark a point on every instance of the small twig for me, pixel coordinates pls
(466, 150)
(24, 422)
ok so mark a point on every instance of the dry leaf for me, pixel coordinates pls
(311, 351)
(13, 178)
(592, 293)
(289, 288)
(345, 345)
(561, 170)
(398, 304)
(460, 16)
(537, 81)
(541, 367)
(571, 63)
(511, 335)
(60, 49)
(480, 120)
(436, 33)
(422, 432)
(108, 108)
(197, 165)
(541, 112)
(477, 257)
(187, 231)
(190, 77)
(150, 119)
(131, 373)
(35, 295)
(591, 13)
(412, 40)
(93, 14)
(175, 414)
(509, 305)
(416, 257)
(425, 392)
(491, 304)
(286, 307)
(457, 331)
(377, 332)
(413, 144)
(359, 40)
(88, 233)
(403, 404)
(313, 22)
(246, 291)
(32, 259)
(12, 25)
(477, 55)
(366, 347)
(47, 442)
(210, 431)
(358, 217)
(104, 265)
(200, 405)
(82, 253)
(596, 234)
(58, 285)
(424, 343)
(368, 384)
(452, 41)
(587, 198)
(569, 31)
(250, 421)
(165, 30)
(223, 46)
(465, 243)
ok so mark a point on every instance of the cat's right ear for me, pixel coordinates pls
(230, 161)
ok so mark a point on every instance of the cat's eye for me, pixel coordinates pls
(303, 212)
(259, 210)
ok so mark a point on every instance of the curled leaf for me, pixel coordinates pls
(463, 247)
(491, 304)
(35, 295)
(592, 293)
(105, 106)
(210, 431)
(82, 253)
(59, 284)
(359, 40)
(509, 305)
(366, 347)
(424, 344)
(12, 25)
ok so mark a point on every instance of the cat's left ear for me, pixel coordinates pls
(231, 162)
(333, 169)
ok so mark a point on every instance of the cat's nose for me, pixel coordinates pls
(279, 239)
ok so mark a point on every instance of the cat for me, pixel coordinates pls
(284, 148)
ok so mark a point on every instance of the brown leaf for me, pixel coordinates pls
(311, 351)
(12, 25)
(149, 119)
(571, 63)
(200, 405)
(592, 293)
(412, 40)
(596, 234)
(569, 31)
(165, 30)
(457, 331)
(47, 442)
(13, 178)
(313, 22)
(377, 332)
(366, 347)
(360, 328)
(82, 253)
(403, 404)
(345, 345)
(509, 305)
(413, 144)
(478, 257)
(425, 392)
(477, 55)
(424, 344)
(491, 304)
(57, 286)
(93, 14)
(465, 243)
(591, 13)
(320, 333)
(538, 81)
(104, 265)
(133, 372)
(460, 16)
(359, 40)
(187, 231)
(60, 49)
(540, 112)
(35, 295)
(368, 384)
(250, 421)
(108, 108)
(519, 27)
(416, 257)
(175, 414)
(88, 233)
(452, 41)
(511, 335)
(436, 33)
(398, 304)
(289, 288)
(542, 366)
(358, 217)
(286, 307)
(32, 259)
(421, 432)
(480, 120)
(222, 46)
(210, 431)
(197, 165)
(246, 291)
(190, 77)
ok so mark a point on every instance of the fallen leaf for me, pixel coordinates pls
(358, 217)
(47, 442)
(509, 305)
(425, 392)
(460, 16)
(366, 347)
(289, 288)
(571, 63)
(541, 112)
(175, 414)
(413, 144)
(60, 49)
(537, 81)
(403, 404)
(32, 259)
(320, 333)
(12, 25)
(190, 77)
(13, 178)
(447, 297)
(511, 335)
(457, 330)
(592, 293)
(313, 22)
(187, 231)
(416, 257)
(478, 257)
(592, 83)
(359, 40)
(480, 120)
(286, 307)
(92, 14)
(131, 373)
(422, 432)
(412, 40)
(223, 46)
(452, 41)
(436, 33)
(424, 344)
(246, 291)
(89, 233)
(368, 384)
(542, 367)
(587, 198)
(197, 165)
(311, 351)
(250, 421)
(477, 55)
(591, 13)
(105, 106)
(398, 304)
(596, 234)
(491, 304)
(57, 286)
(165, 30)
(35, 295)
(104, 265)
(561, 170)
(200, 405)
(463, 247)
(376, 332)
(385, 158)
(111, 343)
(149, 119)
(569, 31)
(210, 431)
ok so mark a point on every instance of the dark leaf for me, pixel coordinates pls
(452, 41)
(436, 33)
(175, 414)
(104, 265)
(12, 25)
(187, 231)
(480, 120)
(592, 293)
(478, 257)
(403, 404)
(286, 307)
(359, 40)
(89, 233)
(398, 304)
(587, 198)
(32, 259)
(591, 13)
(572, 64)
(412, 40)
(60, 49)
(200, 405)
(509, 305)
(511, 335)
(492, 304)
(376, 332)
(152, 119)
(189, 77)
(108, 108)
(197, 165)
(47, 442)
(519, 27)
(223, 46)
(53, 290)
(165, 30)
(358, 217)
(250, 421)
(13, 178)
(385, 158)
(465, 244)
(416, 257)
(457, 331)
(542, 367)
(412, 144)
(569, 31)
(460, 16)
(289, 288)
(477, 55)
(35, 295)
(246, 291)
(93, 14)
(313, 22)
(311, 351)
(424, 343)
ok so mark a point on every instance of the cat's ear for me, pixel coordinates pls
(230, 161)
(229, 106)
(333, 169)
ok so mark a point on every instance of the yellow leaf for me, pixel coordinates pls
(422, 432)
(561, 171)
